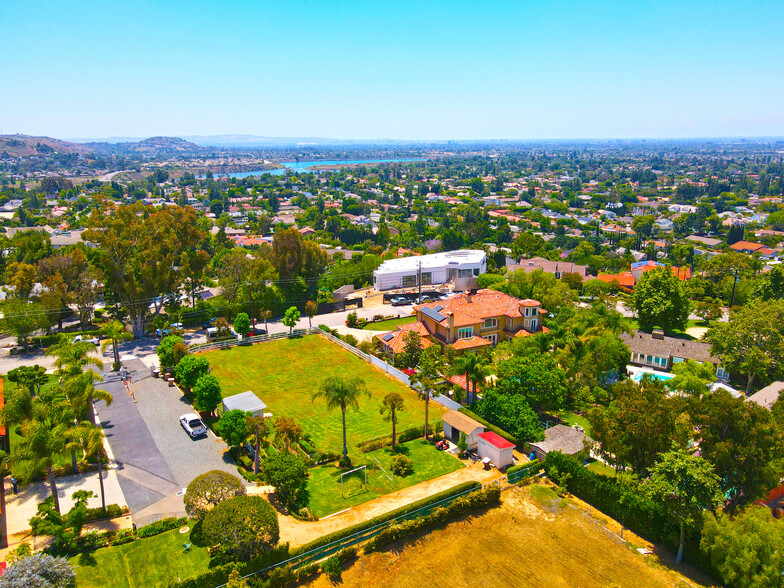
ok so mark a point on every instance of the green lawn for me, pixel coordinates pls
(285, 373)
(155, 561)
(602, 469)
(324, 482)
(389, 324)
(576, 419)
(635, 324)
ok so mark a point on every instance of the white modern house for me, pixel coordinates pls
(436, 268)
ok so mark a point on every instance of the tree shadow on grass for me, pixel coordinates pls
(87, 559)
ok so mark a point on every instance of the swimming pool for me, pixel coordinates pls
(656, 376)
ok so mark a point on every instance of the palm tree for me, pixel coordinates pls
(72, 358)
(36, 450)
(428, 376)
(392, 404)
(114, 332)
(343, 393)
(81, 393)
(471, 366)
(260, 431)
(90, 439)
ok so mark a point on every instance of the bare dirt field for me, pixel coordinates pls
(533, 539)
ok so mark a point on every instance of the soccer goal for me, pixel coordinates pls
(353, 482)
(386, 477)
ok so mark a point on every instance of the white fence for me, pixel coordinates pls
(379, 363)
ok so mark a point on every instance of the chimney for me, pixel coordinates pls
(469, 298)
(658, 334)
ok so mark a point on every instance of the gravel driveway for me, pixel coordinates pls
(161, 407)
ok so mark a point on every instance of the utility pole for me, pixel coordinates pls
(419, 281)
(252, 314)
(732, 298)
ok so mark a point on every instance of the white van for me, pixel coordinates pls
(212, 333)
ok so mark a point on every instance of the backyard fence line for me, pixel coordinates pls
(324, 551)
(372, 359)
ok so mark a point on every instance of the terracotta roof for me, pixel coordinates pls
(524, 333)
(625, 279)
(463, 423)
(475, 308)
(460, 380)
(472, 343)
(746, 246)
(397, 341)
(495, 439)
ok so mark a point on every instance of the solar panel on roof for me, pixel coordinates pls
(388, 336)
(438, 308)
(433, 314)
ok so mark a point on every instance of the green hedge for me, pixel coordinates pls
(490, 427)
(112, 511)
(631, 509)
(161, 526)
(525, 470)
(477, 499)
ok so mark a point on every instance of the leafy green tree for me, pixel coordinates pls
(291, 318)
(685, 486)
(289, 475)
(639, 424)
(511, 413)
(746, 551)
(692, 377)
(390, 407)
(165, 351)
(743, 442)
(287, 431)
(412, 350)
(190, 368)
(141, 251)
(343, 393)
(752, 341)
(643, 225)
(241, 527)
(207, 393)
(22, 319)
(30, 378)
(66, 527)
(209, 489)
(539, 285)
(660, 300)
(233, 427)
(537, 378)
(311, 309)
(242, 323)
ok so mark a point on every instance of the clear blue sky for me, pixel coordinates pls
(403, 69)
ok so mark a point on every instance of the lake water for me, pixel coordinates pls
(302, 166)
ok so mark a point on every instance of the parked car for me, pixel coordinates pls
(177, 326)
(81, 339)
(161, 333)
(398, 301)
(255, 331)
(193, 425)
(208, 323)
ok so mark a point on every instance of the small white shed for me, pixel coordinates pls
(499, 450)
(246, 401)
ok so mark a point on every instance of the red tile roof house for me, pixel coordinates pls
(394, 342)
(475, 321)
(746, 246)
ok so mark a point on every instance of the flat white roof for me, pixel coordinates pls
(247, 401)
(434, 260)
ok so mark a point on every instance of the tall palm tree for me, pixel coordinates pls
(114, 332)
(342, 393)
(72, 358)
(260, 430)
(392, 404)
(90, 439)
(427, 378)
(44, 438)
(81, 393)
(471, 366)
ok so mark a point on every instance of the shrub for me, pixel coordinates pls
(161, 526)
(39, 571)
(233, 427)
(239, 527)
(331, 567)
(190, 369)
(525, 470)
(344, 462)
(165, 350)
(20, 552)
(350, 339)
(402, 466)
(478, 499)
(210, 489)
(123, 536)
(352, 321)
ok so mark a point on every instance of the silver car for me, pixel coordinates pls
(193, 425)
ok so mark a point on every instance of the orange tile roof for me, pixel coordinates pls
(398, 342)
(625, 279)
(746, 245)
(524, 333)
(473, 309)
(473, 343)
(460, 381)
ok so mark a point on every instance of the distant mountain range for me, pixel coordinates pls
(239, 141)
